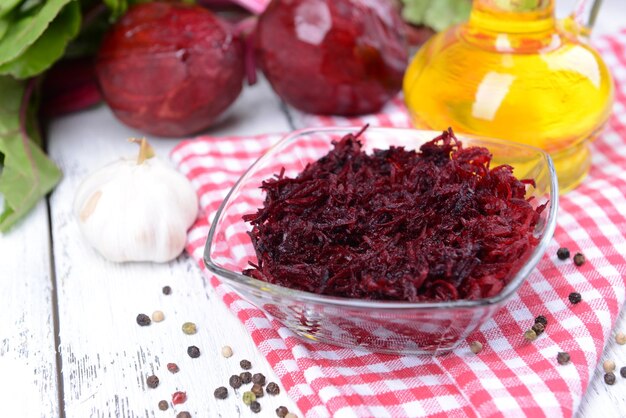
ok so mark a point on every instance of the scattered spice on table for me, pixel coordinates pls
(173, 368)
(143, 320)
(246, 377)
(245, 364)
(272, 389)
(538, 327)
(193, 351)
(183, 414)
(255, 407)
(622, 371)
(282, 411)
(562, 253)
(530, 335)
(608, 366)
(609, 378)
(221, 393)
(476, 347)
(620, 338)
(258, 378)
(158, 316)
(248, 397)
(257, 390)
(575, 298)
(579, 259)
(235, 381)
(541, 320)
(563, 358)
(189, 328)
(152, 381)
(179, 397)
(227, 351)
(167, 290)
(291, 415)
(163, 405)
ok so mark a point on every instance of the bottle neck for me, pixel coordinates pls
(513, 16)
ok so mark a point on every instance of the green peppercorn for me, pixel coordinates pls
(530, 335)
(248, 397)
(189, 328)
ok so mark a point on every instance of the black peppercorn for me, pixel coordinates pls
(255, 407)
(245, 364)
(163, 405)
(152, 381)
(575, 298)
(281, 411)
(542, 320)
(272, 388)
(167, 290)
(235, 381)
(246, 377)
(622, 371)
(193, 351)
(579, 259)
(538, 328)
(609, 378)
(258, 378)
(563, 358)
(183, 414)
(257, 390)
(562, 253)
(143, 320)
(221, 393)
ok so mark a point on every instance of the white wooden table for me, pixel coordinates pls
(56, 292)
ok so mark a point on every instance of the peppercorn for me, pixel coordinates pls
(189, 328)
(163, 405)
(538, 328)
(258, 378)
(541, 320)
(608, 366)
(143, 320)
(609, 378)
(179, 397)
(563, 358)
(235, 381)
(227, 351)
(272, 389)
(167, 290)
(622, 371)
(257, 390)
(152, 381)
(476, 347)
(248, 397)
(245, 364)
(530, 335)
(575, 298)
(291, 415)
(562, 253)
(183, 414)
(173, 368)
(158, 316)
(255, 407)
(281, 411)
(193, 351)
(221, 393)
(620, 338)
(246, 377)
(579, 259)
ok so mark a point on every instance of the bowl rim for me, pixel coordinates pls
(239, 280)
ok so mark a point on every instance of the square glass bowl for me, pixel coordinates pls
(383, 326)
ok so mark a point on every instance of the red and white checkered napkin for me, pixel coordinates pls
(510, 377)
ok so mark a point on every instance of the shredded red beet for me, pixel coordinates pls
(433, 225)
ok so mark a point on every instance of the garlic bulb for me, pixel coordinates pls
(136, 209)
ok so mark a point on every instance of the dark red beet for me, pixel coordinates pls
(438, 224)
(344, 57)
(170, 69)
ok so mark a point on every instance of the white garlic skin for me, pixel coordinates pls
(136, 212)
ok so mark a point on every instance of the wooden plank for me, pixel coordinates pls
(106, 356)
(28, 383)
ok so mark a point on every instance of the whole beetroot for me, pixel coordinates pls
(344, 57)
(170, 69)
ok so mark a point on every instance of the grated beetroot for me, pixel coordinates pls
(433, 225)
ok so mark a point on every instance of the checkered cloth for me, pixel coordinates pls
(510, 377)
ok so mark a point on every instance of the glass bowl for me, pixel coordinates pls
(383, 326)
